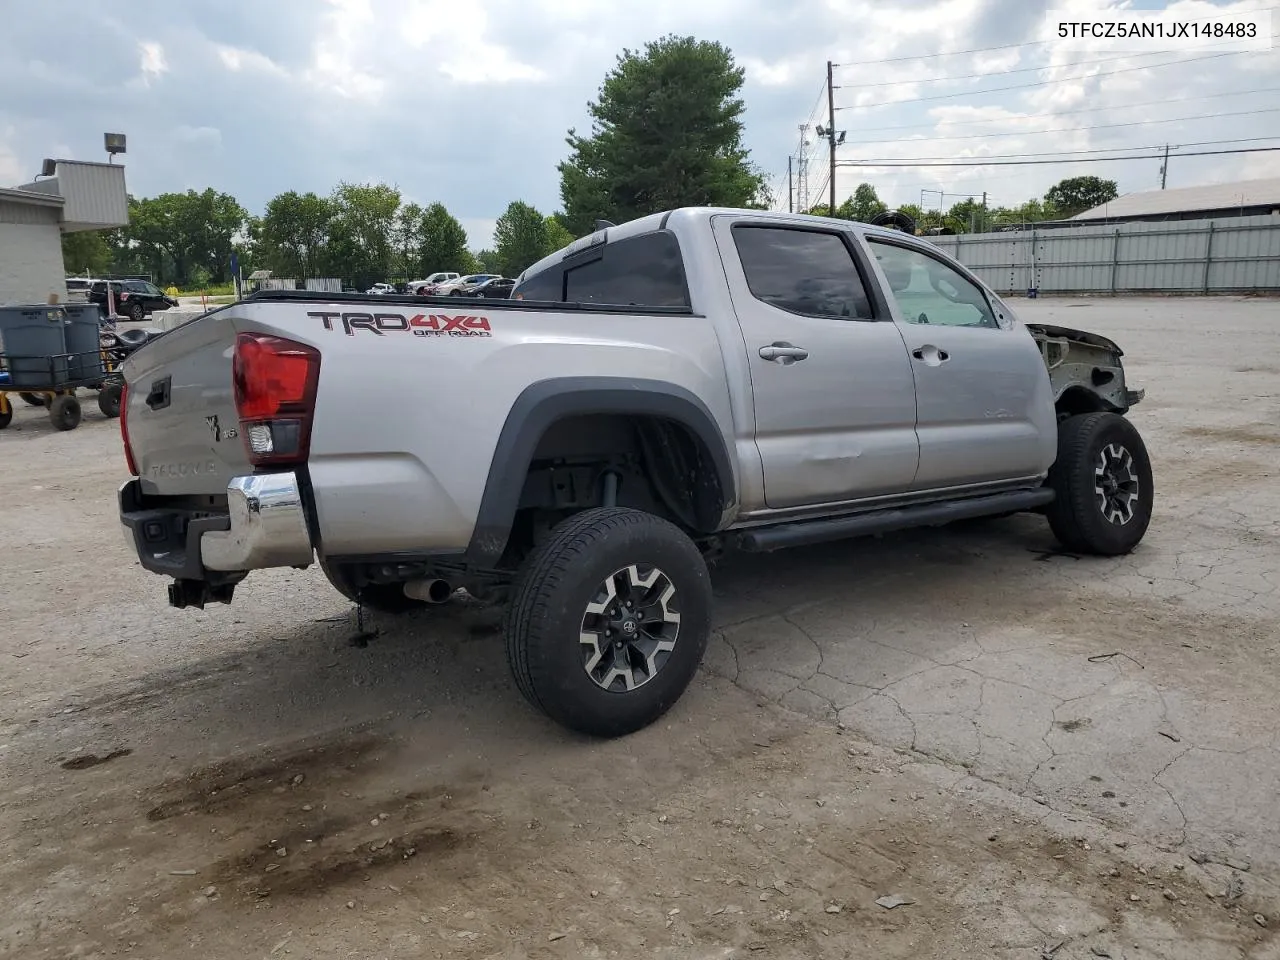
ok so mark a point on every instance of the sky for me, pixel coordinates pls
(470, 104)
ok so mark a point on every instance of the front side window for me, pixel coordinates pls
(809, 272)
(929, 291)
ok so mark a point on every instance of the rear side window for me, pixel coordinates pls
(808, 272)
(646, 271)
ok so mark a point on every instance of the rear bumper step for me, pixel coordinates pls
(805, 532)
(264, 526)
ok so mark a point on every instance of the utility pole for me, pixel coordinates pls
(802, 171)
(984, 211)
(831, 133)
(791, 189)
(1164, 167)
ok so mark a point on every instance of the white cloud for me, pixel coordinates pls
(470, 106)
(151, 59)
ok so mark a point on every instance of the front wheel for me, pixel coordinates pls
(1102, 484)
(609, 621)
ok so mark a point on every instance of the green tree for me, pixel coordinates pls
(361, 234)
(293, 234)
(174, 235)
(520, 238)
(1077, 194)
(407, 241)
(86, 251)
(558, 235)
(487, 262)
(443, 243)
(863, 206)
(666, 132)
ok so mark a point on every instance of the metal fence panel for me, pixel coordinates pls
(1224, 255)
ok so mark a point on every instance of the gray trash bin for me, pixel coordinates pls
(82, 337)
(34, 347)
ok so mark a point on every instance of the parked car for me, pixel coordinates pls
(724, 380)
(419, 287)
(381, 289)
(451, 288)
(135, 299)
(497, 288)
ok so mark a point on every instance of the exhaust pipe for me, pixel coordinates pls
(431, 591)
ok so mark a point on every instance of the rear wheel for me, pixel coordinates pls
(109, 400)
(1102, 483)
(64, 412)
(383, 597)
(137, 313)
(609, 621)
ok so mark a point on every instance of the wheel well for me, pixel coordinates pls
(660, 466)
(1076, 400)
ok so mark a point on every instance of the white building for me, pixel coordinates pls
(33, 217)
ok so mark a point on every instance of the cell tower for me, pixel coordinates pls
(802, 171)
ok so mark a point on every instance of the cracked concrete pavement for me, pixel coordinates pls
(1140, 689)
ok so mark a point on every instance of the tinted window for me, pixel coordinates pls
(802, 271)
(930, 291)
(643, 271)
(547, 285)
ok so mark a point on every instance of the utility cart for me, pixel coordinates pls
(49, 352)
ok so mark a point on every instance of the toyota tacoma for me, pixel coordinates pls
(652, 395)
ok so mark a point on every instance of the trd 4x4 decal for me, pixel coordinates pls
(421, 325)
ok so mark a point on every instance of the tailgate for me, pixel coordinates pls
(182, 423)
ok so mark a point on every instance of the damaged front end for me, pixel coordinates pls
(1086, 370)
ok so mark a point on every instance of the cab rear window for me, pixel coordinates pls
(646, 270)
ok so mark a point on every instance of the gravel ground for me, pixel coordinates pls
(1049, 755)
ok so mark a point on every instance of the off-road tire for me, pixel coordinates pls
(1087, 444)
(545, 619)
(64, 412)
(109, 400)
(382, 597)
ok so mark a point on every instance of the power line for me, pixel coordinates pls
(1096, 126)
(1014, 46)
(1071, 153)
(1066, 113)
(1026, 163)
(1045, 66)
(1045, 83)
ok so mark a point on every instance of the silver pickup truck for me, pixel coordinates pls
(653, 394)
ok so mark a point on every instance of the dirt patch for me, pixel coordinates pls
(229, 784)
(1246, 434)
(88, 760)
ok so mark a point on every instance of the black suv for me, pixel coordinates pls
(135, 299)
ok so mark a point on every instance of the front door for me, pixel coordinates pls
(984, 404)
(830, 375)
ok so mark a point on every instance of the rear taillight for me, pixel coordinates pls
(275, 389)
(124, 430)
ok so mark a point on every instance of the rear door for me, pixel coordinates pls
(984, 405)
(830, 376)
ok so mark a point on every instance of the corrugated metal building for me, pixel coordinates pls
(33, 217)
(1244, 198)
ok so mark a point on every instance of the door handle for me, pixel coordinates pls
(931, 355)
(782, 352)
